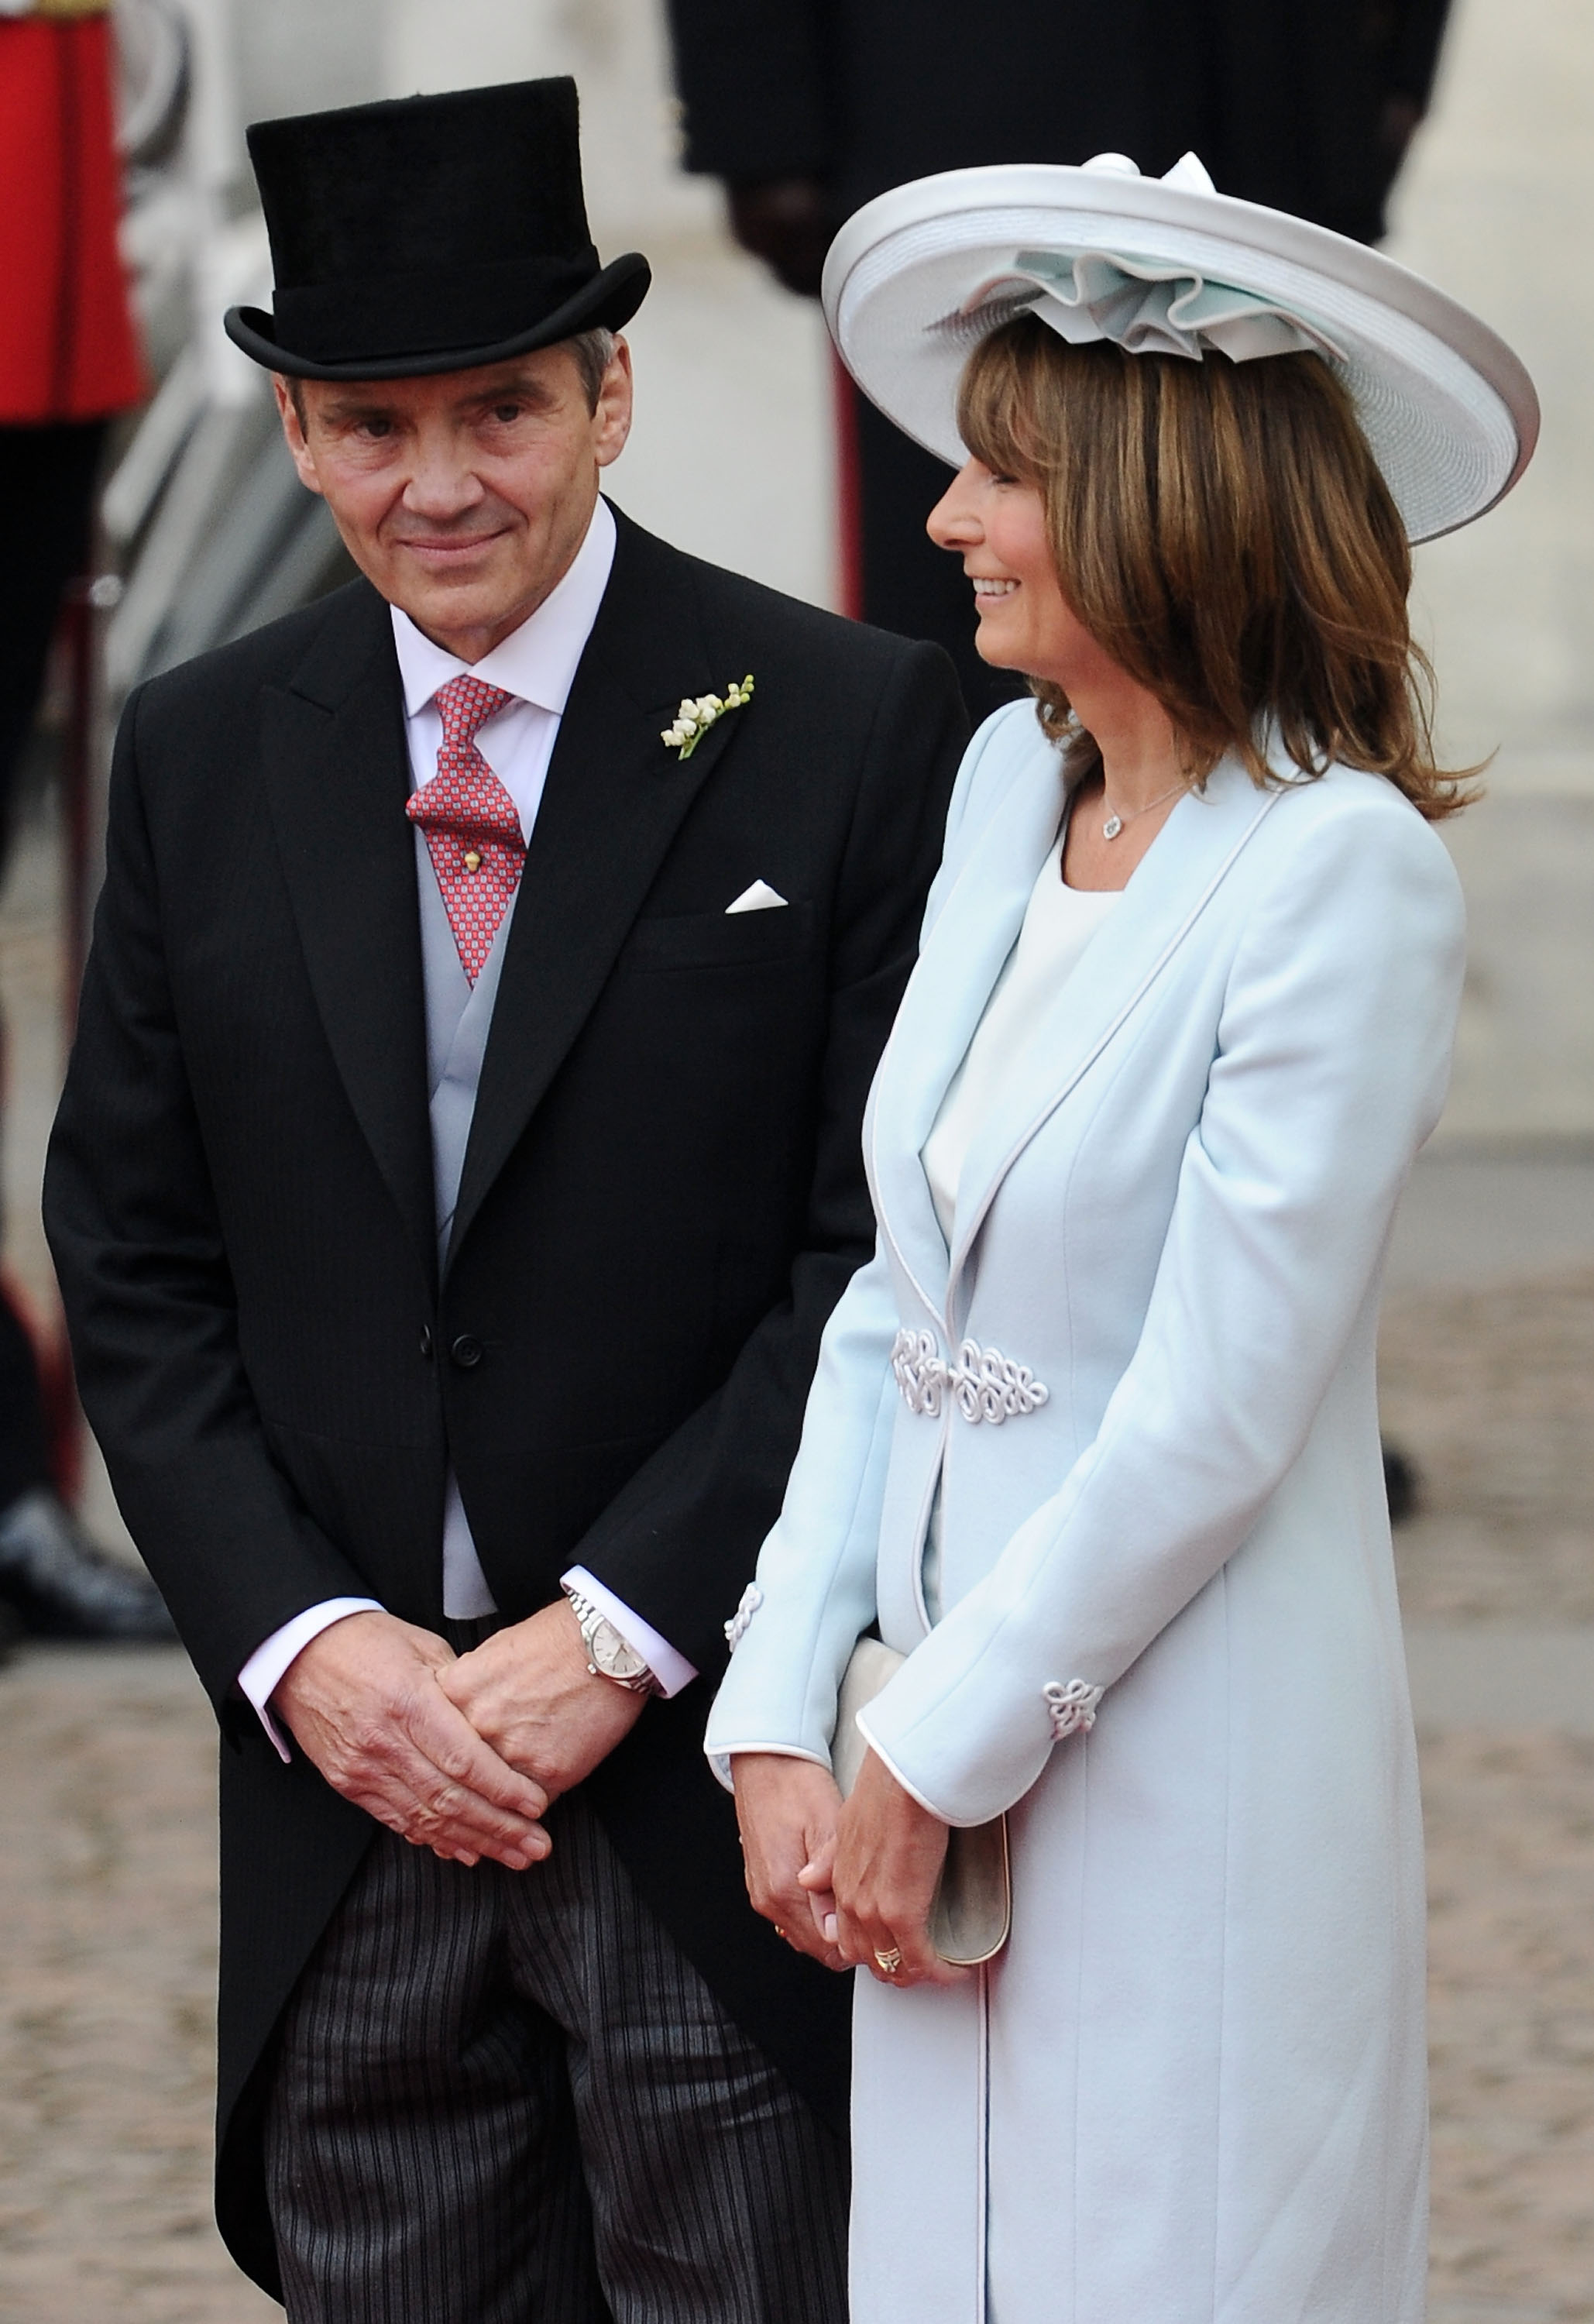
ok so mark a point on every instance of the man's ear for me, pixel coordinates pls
(293, 431)
(611, 419)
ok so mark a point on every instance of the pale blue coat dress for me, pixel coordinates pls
(1192, 2089)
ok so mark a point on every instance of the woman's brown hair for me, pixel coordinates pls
(1224, 533)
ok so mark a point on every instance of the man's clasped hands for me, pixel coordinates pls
(464, 1754)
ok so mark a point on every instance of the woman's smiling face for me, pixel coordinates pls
(998, 524)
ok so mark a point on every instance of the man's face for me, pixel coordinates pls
(465, 497)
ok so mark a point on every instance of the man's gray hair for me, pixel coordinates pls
(594, 352)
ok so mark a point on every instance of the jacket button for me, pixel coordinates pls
(426, 1342)
(466, 1352)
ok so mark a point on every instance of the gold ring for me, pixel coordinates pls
(890, 1960)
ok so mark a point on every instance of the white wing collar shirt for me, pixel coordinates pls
(536, 666)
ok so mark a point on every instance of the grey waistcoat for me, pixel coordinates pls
(458, 1022)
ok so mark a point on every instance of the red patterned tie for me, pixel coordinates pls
(471, 823)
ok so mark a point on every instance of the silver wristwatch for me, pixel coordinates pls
(608, 1654)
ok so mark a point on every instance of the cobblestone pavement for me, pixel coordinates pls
(1490, 1387)
(1511, 2025)
(107, 1963)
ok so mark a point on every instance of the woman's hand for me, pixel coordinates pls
(889, 1855)
(787, 1811)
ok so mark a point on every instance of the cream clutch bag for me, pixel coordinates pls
(973, 1908)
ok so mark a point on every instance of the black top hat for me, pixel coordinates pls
(428, 233)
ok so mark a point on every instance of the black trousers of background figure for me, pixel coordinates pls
(910, 586)
(47, 478)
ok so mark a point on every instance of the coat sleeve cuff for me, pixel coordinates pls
(262, 1674)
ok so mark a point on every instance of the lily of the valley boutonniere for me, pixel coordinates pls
(694, 719)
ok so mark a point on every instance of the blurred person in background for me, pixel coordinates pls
(69, 362)
(807, 108)
(459, 1158)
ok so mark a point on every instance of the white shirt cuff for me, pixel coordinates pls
(672, 1670)
(262, 1674)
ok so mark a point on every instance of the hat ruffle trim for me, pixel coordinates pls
(1145, 306)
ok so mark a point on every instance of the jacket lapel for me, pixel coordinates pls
(1169, 890)
(964, 956)
(962, 959)
(336, 777)
(614, 799)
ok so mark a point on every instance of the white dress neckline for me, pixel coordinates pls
(1059, 922)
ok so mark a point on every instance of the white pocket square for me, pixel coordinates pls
(760, 897)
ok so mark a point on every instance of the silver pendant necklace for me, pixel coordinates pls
(1115, 823)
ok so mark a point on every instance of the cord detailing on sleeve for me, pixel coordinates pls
(1072, 1709)
(752, 1598)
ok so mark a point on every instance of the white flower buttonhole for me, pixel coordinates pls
(694, 719)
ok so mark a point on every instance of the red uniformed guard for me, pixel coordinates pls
(68, 360)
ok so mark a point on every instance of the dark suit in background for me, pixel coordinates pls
(807, 108)
(662, 1197)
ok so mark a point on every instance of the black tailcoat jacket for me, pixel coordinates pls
(662, 1197)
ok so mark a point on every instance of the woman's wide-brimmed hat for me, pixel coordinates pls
(430, 233)
(918, 276)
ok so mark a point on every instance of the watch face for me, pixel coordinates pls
(612, 1657)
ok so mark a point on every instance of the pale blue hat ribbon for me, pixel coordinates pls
(1147, 304)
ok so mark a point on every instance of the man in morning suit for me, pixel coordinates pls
(450, 1429)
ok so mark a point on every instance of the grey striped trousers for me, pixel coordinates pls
(509, 2098)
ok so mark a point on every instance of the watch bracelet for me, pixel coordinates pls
(588, 1616)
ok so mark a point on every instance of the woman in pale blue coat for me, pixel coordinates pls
(1093, 1441)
